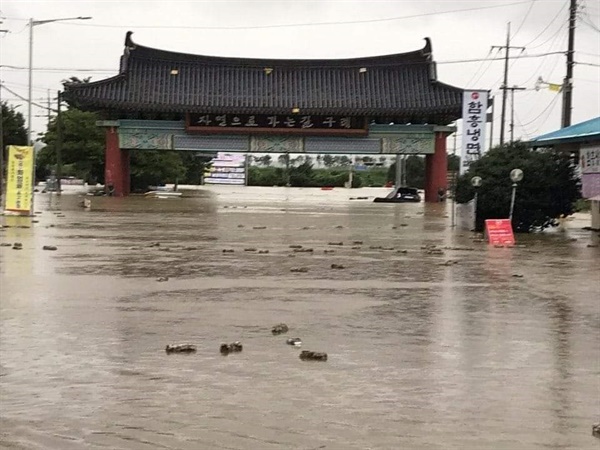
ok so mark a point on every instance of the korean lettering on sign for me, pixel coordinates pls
(474, 119)
(283, 121)
(589, 159)
(19, 188)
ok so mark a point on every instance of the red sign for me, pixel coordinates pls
(499, 232)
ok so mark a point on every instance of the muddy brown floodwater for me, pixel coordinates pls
(471, 348)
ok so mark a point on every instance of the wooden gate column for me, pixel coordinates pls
(116, 165)
(436, 170)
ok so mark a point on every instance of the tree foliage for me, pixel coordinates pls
(549, 187)
(82, 146)
(13, 126)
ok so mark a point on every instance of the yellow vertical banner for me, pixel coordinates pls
(19, 180)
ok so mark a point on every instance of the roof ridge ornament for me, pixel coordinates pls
(129, 44)
(427, 50)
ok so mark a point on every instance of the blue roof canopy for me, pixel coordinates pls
(580, 132)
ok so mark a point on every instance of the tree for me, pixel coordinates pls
(549, 188)
(13, 128)
(328, 160)
(265, 160)
(195, 164)
(345, 161)
(83, 146)
(415, 172)
(155, 167)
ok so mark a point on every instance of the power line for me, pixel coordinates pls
(547, 26)
(21, 97)
(455, 61)
(587, 64)
(524, 19)
(550, 105)
(292, 25)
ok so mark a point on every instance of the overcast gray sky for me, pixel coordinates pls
(93, 47)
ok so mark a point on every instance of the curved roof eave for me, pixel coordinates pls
(423, 55)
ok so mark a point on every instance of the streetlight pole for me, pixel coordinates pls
(476, 183)
(33, 23)
(516, 175)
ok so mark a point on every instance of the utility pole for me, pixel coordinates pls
(568, 81)
(504, 86)
(59, 143)
(512, 110)
(49, 115)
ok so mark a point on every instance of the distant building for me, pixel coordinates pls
(583, 141)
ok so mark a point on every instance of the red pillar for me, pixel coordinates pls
(125, 171)
(436, 169)
(116, 165)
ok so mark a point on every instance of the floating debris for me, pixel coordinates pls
(5, 244)
(517, 275)
(375, 247)
(403, 224)
(328, 251)
(263, 252)
(305, 228)
(337, 266)
(303, 250)
(259, 228)
(596, 430)
(161, 279)
(335, 243)
(295, 246)
(17, 246)
(180, 348)
(357, 242)
(251, 249)
(339, 227)
(306, 355)
(228, 250)
(299, 269)
(240, 226)
(294, 341)
(450, 262)
(356, 247)
(49, 247)
(189, 249)
(154, 244)
(234, 347)
(592, 245)
(402, 251)
(280, 328)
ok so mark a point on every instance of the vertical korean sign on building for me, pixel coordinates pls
(19, 180)
(475, 104)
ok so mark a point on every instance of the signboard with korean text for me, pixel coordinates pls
(475, 104)
(499, 232)
(275, 124)
(589, 158)
(226, 168)
(589, 164)
(19, 180)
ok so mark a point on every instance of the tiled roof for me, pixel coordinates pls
(580, 132)
(401, 85)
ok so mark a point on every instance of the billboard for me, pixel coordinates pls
(19, 180)
(475, 104)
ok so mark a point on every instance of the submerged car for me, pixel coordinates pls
(400, 195)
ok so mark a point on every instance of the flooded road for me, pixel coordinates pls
(468, 348)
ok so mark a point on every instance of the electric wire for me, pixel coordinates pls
(349, 66)
(293, 25)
